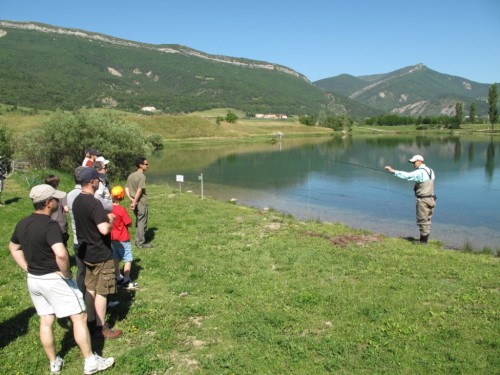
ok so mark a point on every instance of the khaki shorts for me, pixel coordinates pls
(100, 277)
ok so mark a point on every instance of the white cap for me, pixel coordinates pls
(101, 158)
(416, 158)
(40, 193)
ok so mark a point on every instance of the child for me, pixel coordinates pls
(120, 240)
(62, 210)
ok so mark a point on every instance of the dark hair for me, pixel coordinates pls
(52, 180)
(41, 205)
(140, 161)
(76, 174)
(98, 165)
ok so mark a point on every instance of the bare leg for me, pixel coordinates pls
(81, 334)
(47, 336)
(126, 270)
(100, 309)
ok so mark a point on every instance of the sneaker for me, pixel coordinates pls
(96, 364)
(106, 332)
(56, 366)
(131, 285)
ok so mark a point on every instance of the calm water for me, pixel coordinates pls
(309, 179)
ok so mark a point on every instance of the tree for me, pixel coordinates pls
(309, 120)
(459, 113)
(231, 117)
(472, 113)
(6, 149)
(492, 101)
(62, 140)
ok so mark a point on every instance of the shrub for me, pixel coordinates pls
(156, 142)
(61, 141)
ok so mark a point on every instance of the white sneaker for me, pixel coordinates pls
(96, 364)
(56, 366)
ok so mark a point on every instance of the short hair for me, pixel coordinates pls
(52, 180)
(41, 205)
(140, 161)
(76, 174)
(98, 165)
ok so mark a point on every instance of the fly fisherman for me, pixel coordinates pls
(424, 191)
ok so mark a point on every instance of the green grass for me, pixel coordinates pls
(233, 290)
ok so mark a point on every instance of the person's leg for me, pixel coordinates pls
(126, 270)
(90, 303)
(80, 274)
(100, 303)
(81, 334)
(424, 214)
(141, 213)
(47, 336)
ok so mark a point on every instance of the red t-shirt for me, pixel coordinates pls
(119, 231)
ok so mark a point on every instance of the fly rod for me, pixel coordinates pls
(358, 165)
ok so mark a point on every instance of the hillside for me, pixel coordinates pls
(414, 90)
(47, 67)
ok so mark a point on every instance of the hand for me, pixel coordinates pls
(111, 218)
(132, 206)
(388, 168)
(65, 275)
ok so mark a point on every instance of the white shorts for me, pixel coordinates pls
(53, 295)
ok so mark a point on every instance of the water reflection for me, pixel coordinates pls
(309, 178)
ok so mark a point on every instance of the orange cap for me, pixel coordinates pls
(117, 192)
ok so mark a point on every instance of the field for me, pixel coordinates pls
(232, 290)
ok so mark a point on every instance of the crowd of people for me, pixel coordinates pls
(101, 242)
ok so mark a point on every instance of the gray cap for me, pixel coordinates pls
(88, 174)
(40, 193)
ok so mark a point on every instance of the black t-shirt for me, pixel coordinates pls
(88, 213)
(37, 234)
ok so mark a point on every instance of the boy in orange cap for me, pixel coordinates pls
(120, 240)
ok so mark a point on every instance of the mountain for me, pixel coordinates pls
(48, 67)
(414, 91)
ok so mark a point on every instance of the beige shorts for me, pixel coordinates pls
(100, 277)
(53, 295)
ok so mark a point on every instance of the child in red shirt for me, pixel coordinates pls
(120, 240)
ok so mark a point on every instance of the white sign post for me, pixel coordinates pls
(200, 177)
(180, 179)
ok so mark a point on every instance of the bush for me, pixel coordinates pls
(309, 120)
(231, 117)
(156, 142)
(6, 149)
(61, 141)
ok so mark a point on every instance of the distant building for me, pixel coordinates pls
(273, 116)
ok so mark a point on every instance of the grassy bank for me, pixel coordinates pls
(233, 290)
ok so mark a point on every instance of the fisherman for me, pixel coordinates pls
(424, 191)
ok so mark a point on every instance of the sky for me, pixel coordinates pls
(318, 38)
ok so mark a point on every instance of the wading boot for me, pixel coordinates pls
(424, 239)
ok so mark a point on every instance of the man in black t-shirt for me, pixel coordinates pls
(93, 228)
(37, 247)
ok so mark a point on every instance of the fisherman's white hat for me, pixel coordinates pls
(416, 158)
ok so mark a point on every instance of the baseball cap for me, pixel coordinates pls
(117, 192)
(88, 174)
(40, 193)
(101, 158)
(416, 158)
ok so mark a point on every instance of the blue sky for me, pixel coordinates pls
(318, 38)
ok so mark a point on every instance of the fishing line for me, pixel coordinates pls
(358, 165)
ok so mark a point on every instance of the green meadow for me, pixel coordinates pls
(228, 289)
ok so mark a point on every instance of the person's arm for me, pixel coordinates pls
(137, 196)
(127, 191)
(62, 260)
(18, 255)
(105, 227)
(415, 175)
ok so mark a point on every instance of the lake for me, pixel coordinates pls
(341, 179)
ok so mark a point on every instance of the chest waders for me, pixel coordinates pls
(426, 201)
